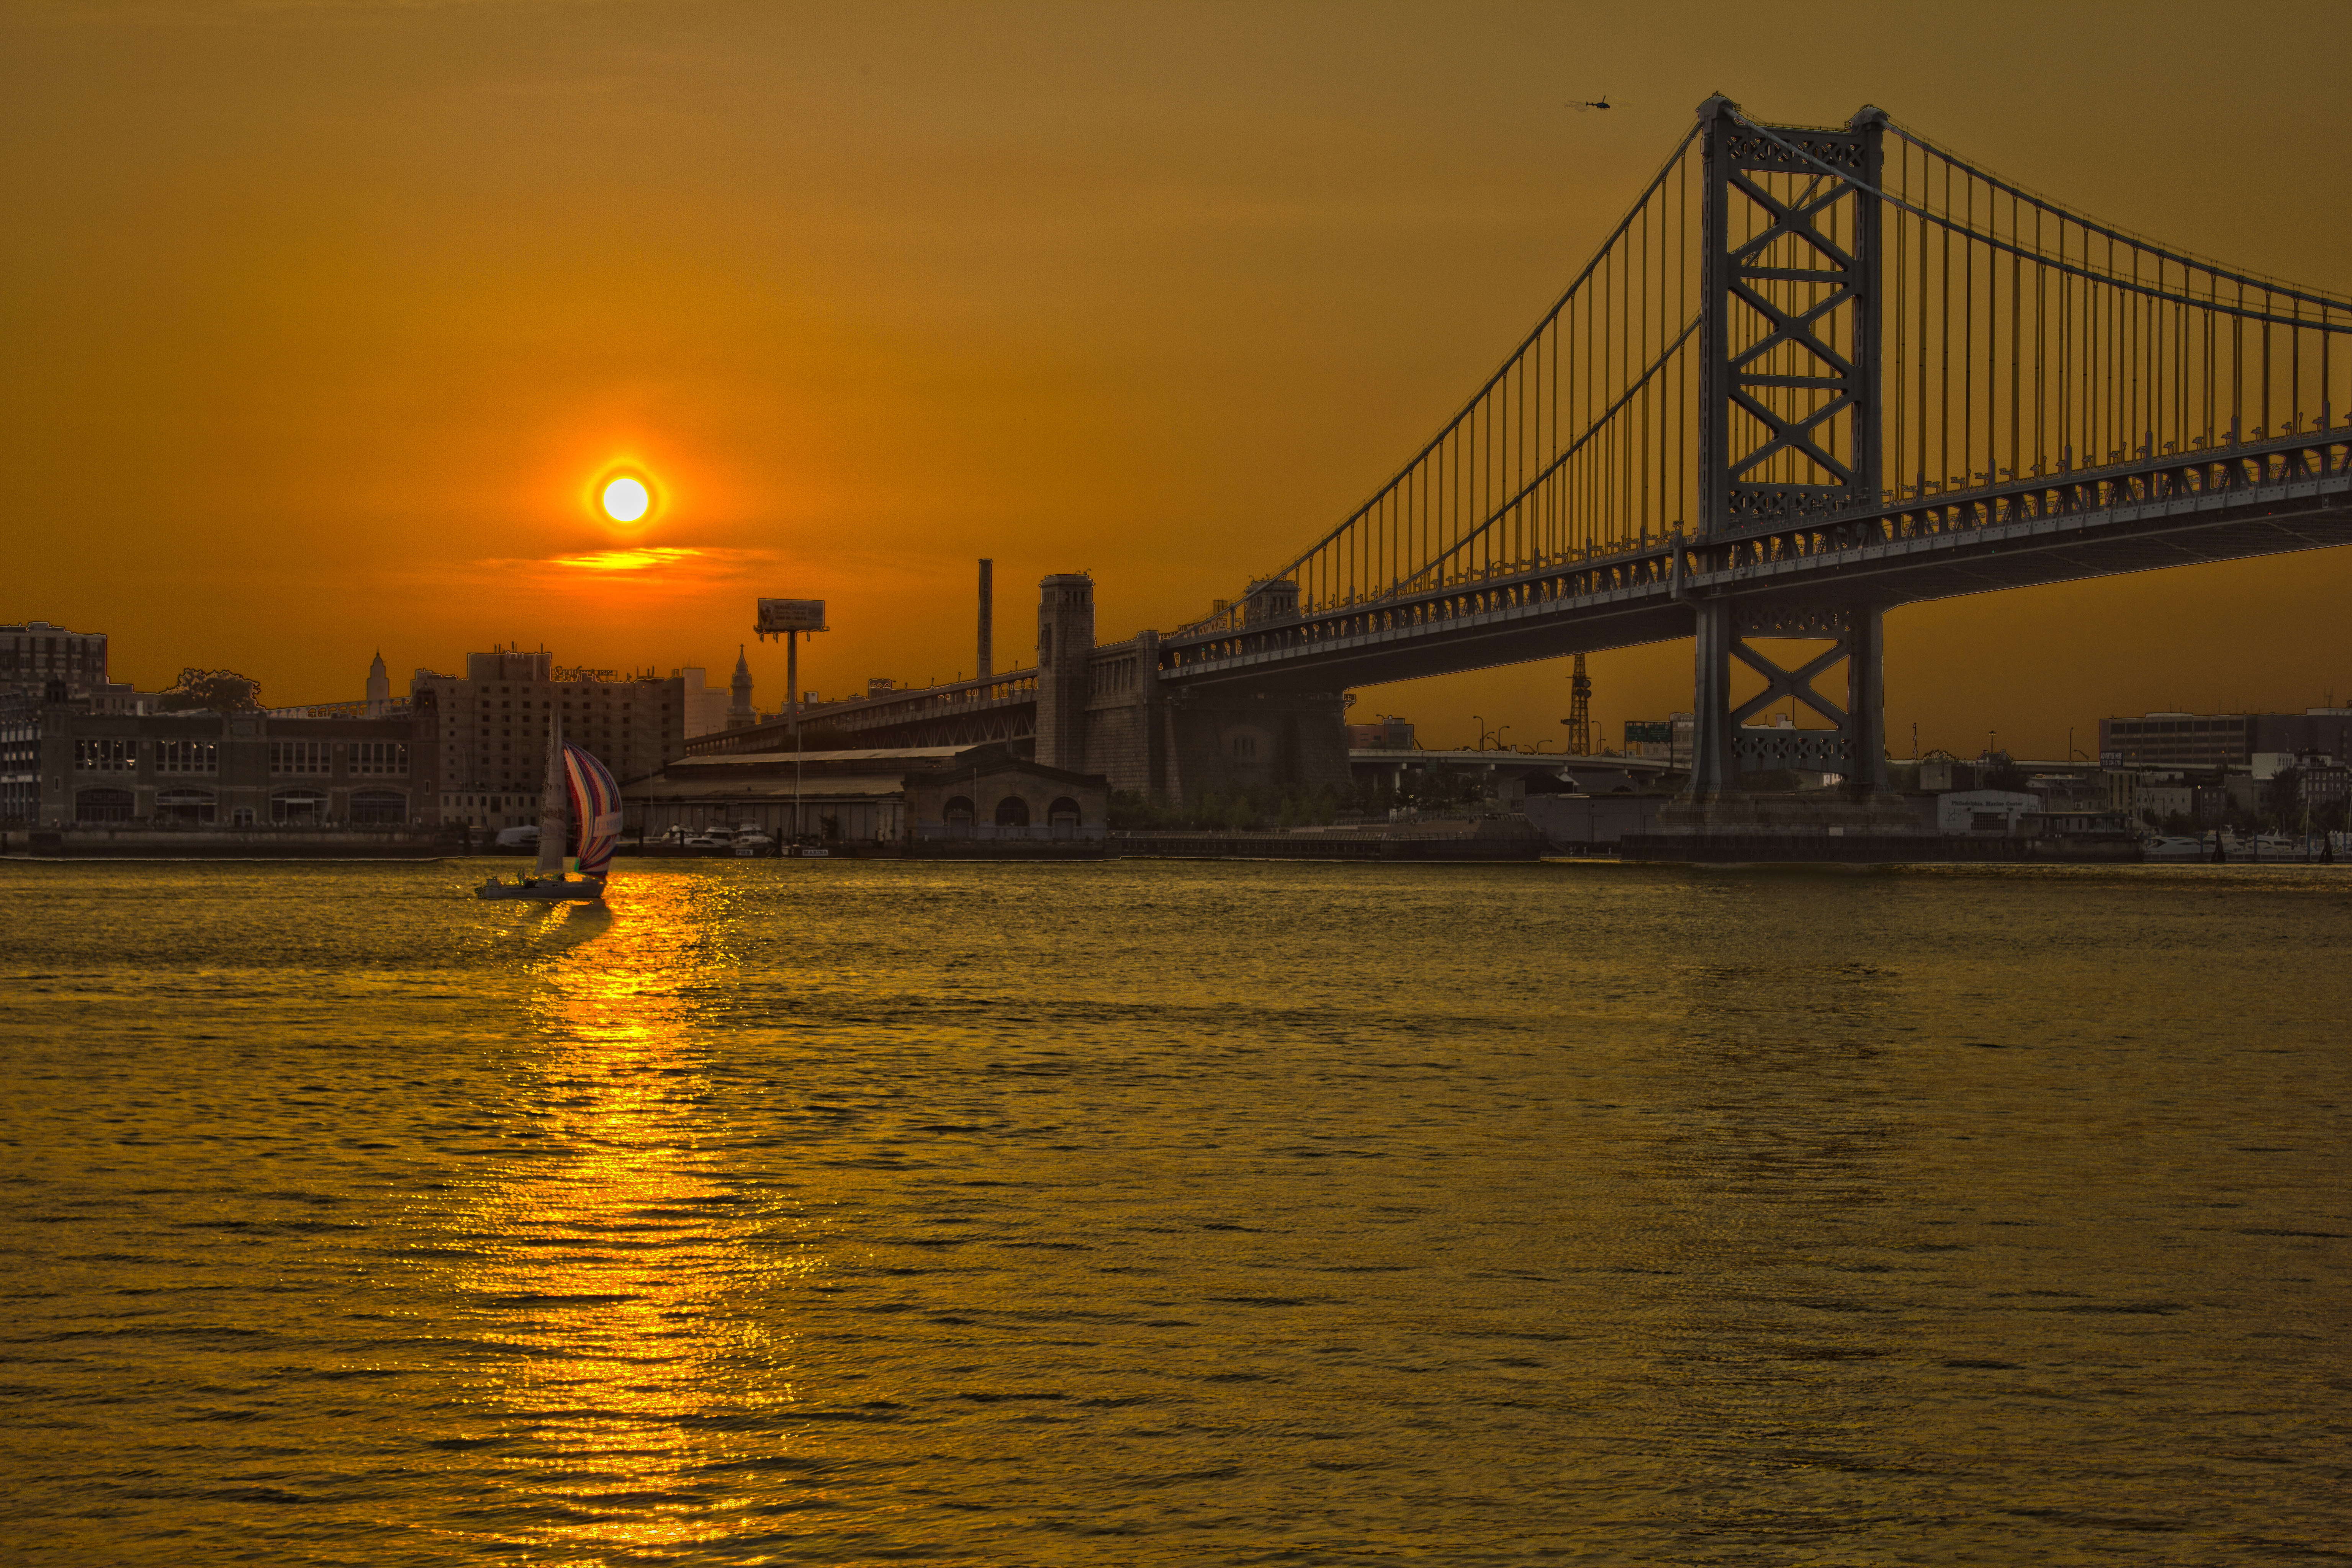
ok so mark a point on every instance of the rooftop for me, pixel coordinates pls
(908, 754)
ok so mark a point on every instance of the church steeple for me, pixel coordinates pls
(740, 713)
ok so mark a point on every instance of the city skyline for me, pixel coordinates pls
(361, 304)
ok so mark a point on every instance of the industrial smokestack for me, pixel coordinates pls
(987, 617)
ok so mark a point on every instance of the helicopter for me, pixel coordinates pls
(1601, 102)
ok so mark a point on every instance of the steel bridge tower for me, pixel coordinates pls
(1789, 428)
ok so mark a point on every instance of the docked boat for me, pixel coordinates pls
(579, 812)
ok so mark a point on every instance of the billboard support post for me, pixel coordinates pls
(788, 618)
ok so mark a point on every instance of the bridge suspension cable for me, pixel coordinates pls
(1580, 441)
(2024, 338)
(1891, 322)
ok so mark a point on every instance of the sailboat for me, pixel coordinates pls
(579, 811)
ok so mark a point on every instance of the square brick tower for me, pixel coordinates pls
(1066, 646)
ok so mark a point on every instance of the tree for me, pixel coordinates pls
(2286, 794)
(2004, 773)
(211, 691)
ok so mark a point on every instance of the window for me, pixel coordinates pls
(379, 807)
(1013, 811)
(101, 805)
(183, 805)
(1245, 746)
(108, 755)
(297, 756)
(378, 756)
(187, 757)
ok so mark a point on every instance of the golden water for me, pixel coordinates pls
(1173, 1213)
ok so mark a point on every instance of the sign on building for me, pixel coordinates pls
(778, 616)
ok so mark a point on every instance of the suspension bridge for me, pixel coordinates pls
(1812, 374)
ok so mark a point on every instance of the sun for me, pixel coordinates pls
(625, 499)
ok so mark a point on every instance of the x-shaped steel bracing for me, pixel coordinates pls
(1792, 219)
(1797, 683)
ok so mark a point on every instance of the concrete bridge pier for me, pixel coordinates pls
(1106, 710)
(1263, 742)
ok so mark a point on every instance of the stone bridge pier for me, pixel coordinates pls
(1109, 710)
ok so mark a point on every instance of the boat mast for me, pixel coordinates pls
(554, 835)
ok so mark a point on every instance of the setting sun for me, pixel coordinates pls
(625, 500)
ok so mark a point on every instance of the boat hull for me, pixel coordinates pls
(553, 891)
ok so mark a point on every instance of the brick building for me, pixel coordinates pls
(224, 771)
(492, 726)
(881, 795)
(2212, 740)
(35, 656)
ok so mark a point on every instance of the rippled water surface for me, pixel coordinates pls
(1170, 1213)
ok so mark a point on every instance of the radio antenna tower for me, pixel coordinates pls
(1580, 712)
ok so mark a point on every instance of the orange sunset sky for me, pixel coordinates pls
(324, 319)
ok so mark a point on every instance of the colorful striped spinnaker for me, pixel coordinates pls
(595, 809)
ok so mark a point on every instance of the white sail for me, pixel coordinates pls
(554, 805)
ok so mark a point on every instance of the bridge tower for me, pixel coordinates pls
(1790, 428)
(1066, 647)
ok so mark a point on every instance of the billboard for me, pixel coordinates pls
(1649, 732)
(778, 616)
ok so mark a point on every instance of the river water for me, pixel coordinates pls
(1175, 1213)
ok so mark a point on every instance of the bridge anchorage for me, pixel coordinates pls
(1813, 374)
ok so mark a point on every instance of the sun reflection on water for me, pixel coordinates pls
(615, 1260)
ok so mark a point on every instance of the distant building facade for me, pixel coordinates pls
(883, 796)
(93, 767)
(706, 705)
(1984, 811)
(20, 759)
(2215, 740)
(2323, 782)
(492, 725)
(37, 654)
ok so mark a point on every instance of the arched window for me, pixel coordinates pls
(379, 807)
(1013, 811)
(1062, 816)
(184, 805)
(958, 813)
(101, 805)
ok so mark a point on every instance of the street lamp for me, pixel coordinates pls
(1482, 731)
(1498, 736)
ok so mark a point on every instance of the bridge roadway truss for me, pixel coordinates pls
(1813, 373)
(1809, 580)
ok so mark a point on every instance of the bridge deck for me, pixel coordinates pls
(2294, 494)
